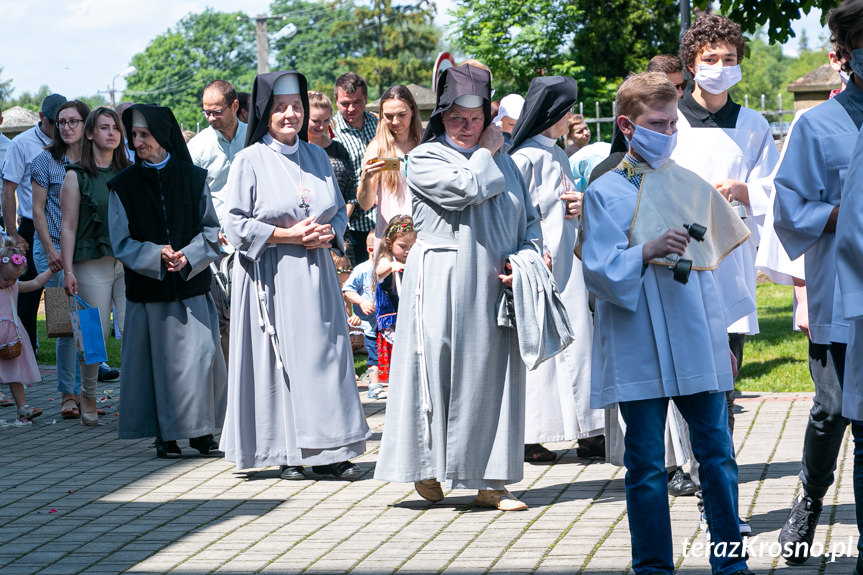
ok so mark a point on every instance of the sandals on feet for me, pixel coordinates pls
(377, 391)
(27, 413)
(537, 453)
(69, 409)
(6, 401)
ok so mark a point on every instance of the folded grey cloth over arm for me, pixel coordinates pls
(541, 320)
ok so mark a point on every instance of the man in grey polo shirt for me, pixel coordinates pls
(16, 177)
(355, 128)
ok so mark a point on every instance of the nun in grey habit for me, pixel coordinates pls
(455, 412)
(164, 229)
(292, 394)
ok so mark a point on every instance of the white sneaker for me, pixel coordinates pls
(745, 528)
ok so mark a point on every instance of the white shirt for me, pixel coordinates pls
(4, 145)
(16, 166)
(213, 152)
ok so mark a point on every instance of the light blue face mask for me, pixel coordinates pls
(654, 147)
(857, 62)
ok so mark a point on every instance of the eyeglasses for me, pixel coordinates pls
(73, 123)
(214, 113)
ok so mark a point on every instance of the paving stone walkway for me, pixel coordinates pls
(76, 500)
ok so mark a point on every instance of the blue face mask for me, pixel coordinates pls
(857, 62)
(654, 147)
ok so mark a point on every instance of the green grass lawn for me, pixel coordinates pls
(48, 351)
(774, 360)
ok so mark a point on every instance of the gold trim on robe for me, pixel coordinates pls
(670, 197)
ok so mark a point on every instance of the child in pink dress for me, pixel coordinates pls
(16, 371)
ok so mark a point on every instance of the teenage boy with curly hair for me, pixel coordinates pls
(733, 149)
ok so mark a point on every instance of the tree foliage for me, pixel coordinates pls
(397, 43)
(319, 47)
(774, 17)
(518, 40)
(174, 68)
(30, 100)
(386, 43)
(766, 70)
(6, 88)
(614, 46)
(595, 41)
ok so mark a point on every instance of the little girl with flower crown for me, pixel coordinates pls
(15, 371)
(399, 237)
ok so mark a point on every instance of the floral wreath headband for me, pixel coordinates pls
(16, 259)
(400, 228)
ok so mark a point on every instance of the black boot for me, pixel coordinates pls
(206, 445)
(167, 449)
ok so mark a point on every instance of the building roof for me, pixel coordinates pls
(425, 98)
(18, 119)
(821, 78)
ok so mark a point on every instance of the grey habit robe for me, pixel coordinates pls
(306, 411)
(174, 379)
(455, 411)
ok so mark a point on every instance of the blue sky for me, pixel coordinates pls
(78, 47)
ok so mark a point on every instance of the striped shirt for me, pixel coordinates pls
(356, 142)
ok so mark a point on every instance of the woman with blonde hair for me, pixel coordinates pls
(382, 178)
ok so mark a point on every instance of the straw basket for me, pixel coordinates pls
(12, 349)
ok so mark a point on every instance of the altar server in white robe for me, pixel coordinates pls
(809, 190)
(673, 333)
(455, 412)
(558, 391)
(729, 146)
(732, 148)
(292, 397)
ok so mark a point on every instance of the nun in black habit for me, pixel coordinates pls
(164, 229)
(455, 412)
(557, 406)
(292, 394)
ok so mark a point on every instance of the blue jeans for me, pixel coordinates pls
(371, 344)
(68, 371)
(647, 480)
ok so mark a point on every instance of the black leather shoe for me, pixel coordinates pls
(680, 484)
(292, 472)
(107, 373)
(206, 445)
(591, 447)
(344, 470)
(167, 449)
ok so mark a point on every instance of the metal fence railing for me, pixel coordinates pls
(779, 120)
